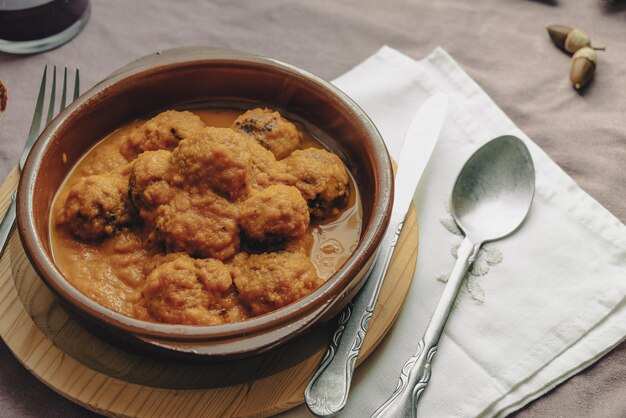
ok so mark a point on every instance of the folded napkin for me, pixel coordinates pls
(536, 308)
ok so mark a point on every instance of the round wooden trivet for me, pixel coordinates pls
(113, 382)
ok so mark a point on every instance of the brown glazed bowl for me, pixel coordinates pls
(183, 77)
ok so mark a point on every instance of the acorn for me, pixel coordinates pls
(570, 39)
(583, 67)
(558, 34)
(4, 97)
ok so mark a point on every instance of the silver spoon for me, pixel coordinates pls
(490, 199)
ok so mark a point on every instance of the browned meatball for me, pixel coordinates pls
(96, 206)
(189, 291)
(150, 183)
(321, 178)
(218, 158)
(303, 244)
(204, 225)
(265, 170)
(277, 213)
(269, 281)
(164, 131)
(270, 130)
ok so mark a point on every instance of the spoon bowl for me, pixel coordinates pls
(494, 190)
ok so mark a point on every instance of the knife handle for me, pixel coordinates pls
(416, 372)
(327, 391)
(7, 223)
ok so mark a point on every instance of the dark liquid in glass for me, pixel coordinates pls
(38, 22)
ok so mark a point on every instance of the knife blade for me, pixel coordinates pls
(327, 392)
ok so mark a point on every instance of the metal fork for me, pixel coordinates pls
(9, 217)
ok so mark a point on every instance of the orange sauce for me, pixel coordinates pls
(111, 271)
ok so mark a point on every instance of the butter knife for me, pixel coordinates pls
(327, 391)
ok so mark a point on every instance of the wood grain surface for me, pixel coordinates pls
(111, 381)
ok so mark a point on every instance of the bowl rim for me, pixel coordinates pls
(315, 302)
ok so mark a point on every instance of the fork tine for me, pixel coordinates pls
(77, 85)
(52, 96)
(36, 123)
(64, 94)
(34, 126)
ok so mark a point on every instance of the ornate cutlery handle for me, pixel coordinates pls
(416, 372)
(7, 223)
(327, 391)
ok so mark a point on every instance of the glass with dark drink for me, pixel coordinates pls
(30, 26)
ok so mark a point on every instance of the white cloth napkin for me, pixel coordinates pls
(538, 306)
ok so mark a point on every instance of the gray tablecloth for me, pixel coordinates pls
(503, 45)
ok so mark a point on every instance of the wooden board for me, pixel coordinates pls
(114, 382)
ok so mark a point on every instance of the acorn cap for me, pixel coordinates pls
(576, 39)
(583, 67)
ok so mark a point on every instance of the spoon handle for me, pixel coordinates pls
(416, 372)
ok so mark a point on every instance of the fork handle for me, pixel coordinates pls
(7, 223)
(416, 372)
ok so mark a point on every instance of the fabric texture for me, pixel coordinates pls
(503, 46)
(537, 306)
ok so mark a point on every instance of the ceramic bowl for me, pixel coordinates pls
(183, 77)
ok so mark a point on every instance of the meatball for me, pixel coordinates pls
(277, 213)
(218, 158)
(265, 170)
(203, 225)
(164, 131)
(188, 291)
(150, 182)
(270, 130)
(303, 244)
(96, 206)
(269, 281)
(321, 178)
